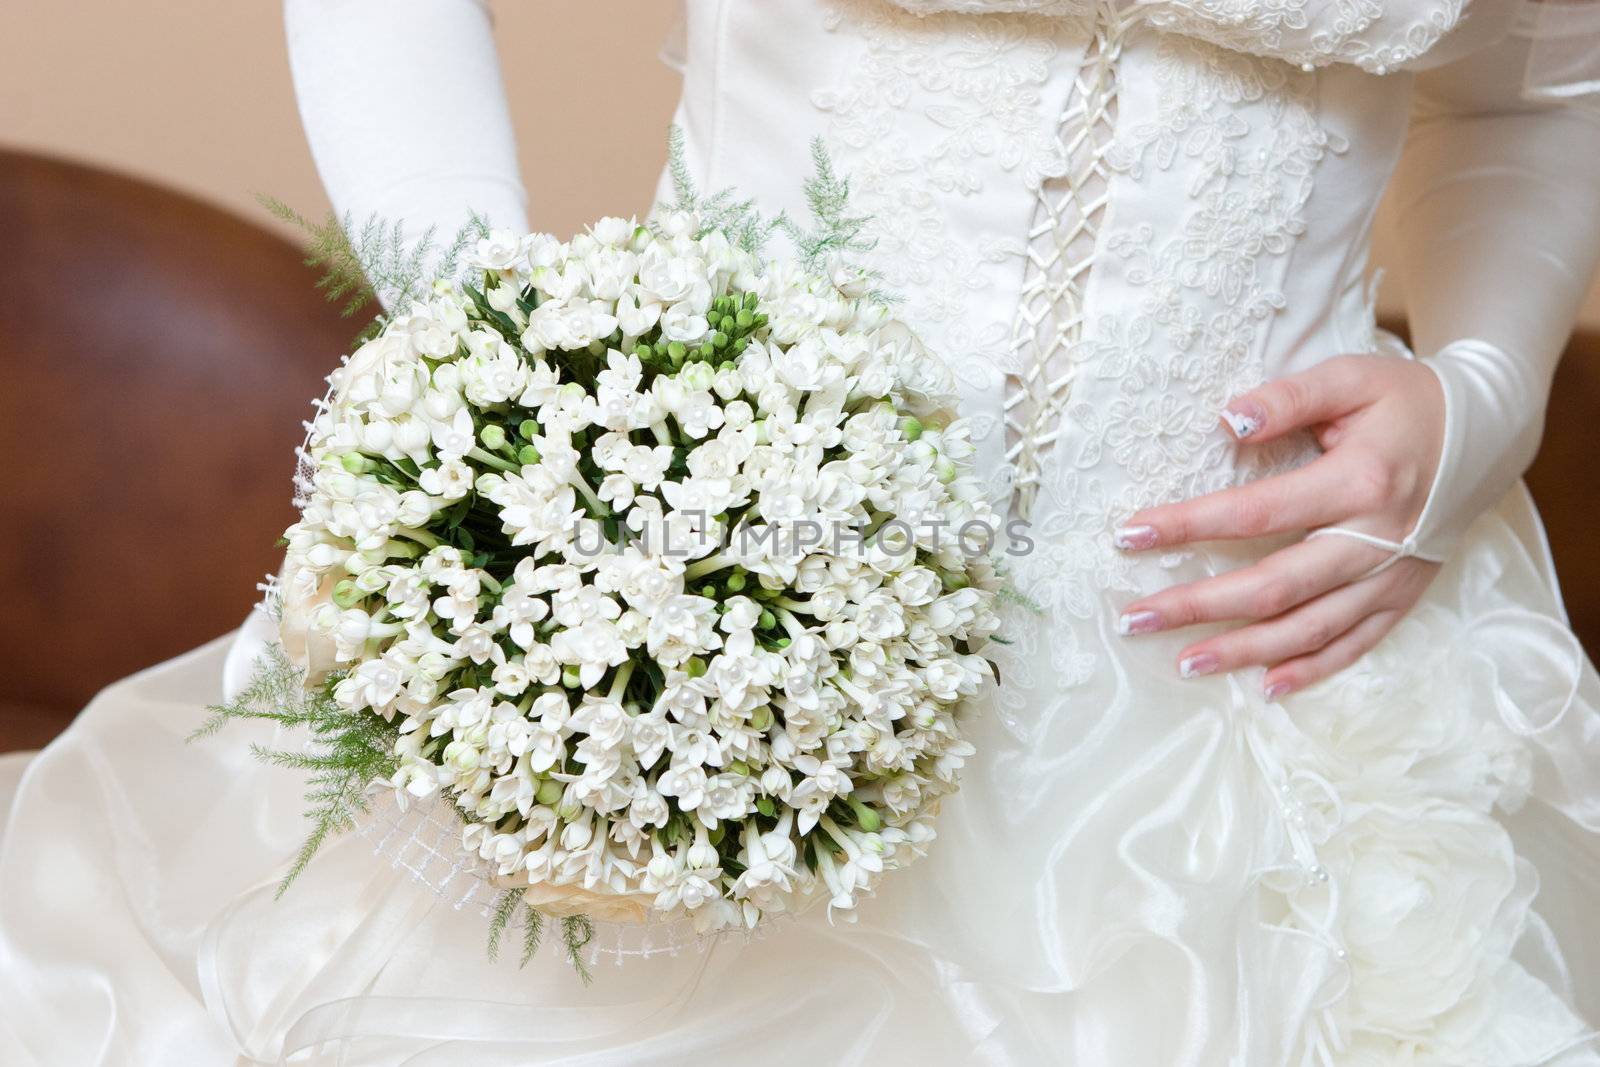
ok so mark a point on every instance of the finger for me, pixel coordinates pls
(1297, 673)
(1324, 491)
(1332, 388)
(1303, 631)
(1263, 590)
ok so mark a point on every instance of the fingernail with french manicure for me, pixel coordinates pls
(1134, 537)
(1197, 666)
(1138, 622)
(1244, 417)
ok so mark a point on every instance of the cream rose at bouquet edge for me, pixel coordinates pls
(657, 560)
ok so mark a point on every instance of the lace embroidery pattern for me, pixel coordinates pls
(931, 109)
(1376, 35)
(1238, 139)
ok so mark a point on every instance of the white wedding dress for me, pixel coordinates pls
(1111, 217)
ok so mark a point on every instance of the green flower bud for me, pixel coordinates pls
(570, 677)
(356, 463)
(550, 791)
(745, 319)
(761, 719)
(765, 806)
(527, 455)
(677, 350)
(346, 594)
(528, 428)
(767, 621)
(953, 581)
(696, 667)
(493, 436)
(866, 818)
(750, 300)
(735, 582)
(911, 426)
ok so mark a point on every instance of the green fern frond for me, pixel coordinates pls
(505, 908)
(576, 933)
(835, 231)
(739, 220)
(532, 933)
(375, 262)
(683, 187)
(276, 684)
(346, 751)
(1010, 594)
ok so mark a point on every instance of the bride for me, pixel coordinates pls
(1246, 797)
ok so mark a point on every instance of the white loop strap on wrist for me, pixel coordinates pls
(1398, 550)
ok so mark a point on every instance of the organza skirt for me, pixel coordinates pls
(1396, 867)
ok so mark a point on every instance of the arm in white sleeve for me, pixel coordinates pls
(1498, 212)
(405, 112)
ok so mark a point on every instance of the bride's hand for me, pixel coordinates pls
(1309, 609)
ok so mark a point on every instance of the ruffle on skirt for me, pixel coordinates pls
(1395, 867)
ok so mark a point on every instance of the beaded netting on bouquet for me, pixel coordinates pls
(655, 563)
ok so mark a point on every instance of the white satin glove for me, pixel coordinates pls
(405, 112)
(1498, 213)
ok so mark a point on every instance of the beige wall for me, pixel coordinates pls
(196, 94)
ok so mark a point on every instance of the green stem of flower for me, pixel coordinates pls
(421, 537)
(619, 684)
(493, 461)
(596, 505)
(709, 565)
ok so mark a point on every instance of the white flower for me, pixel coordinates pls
(614, 232)
(682, 626)
(500, 251)
(450, 480)
(686, 783)
(594, 647)
(453, 437)
(681, 322)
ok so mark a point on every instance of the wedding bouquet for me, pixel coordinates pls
(660, 562)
